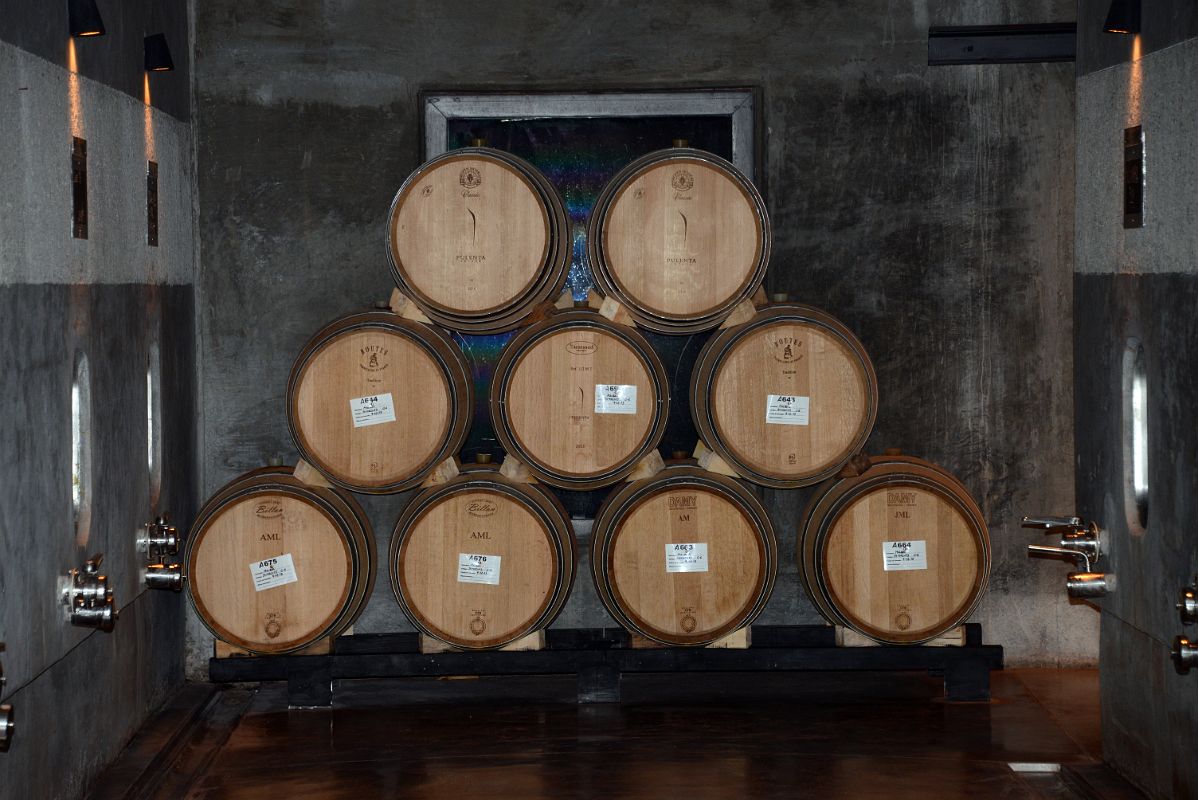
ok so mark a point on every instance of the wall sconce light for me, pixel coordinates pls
(84, 18)
(158, 55)
(1123, 17)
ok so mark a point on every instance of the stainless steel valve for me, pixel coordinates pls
(87, 597)
(1081, 543)
(161, 539)
(1187, 603)
(1185, 654)
(7, 726)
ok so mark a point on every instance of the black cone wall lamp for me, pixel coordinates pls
(1122, 17)
(158, 55)
(84, 18)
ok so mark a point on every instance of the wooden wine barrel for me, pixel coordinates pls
(579, 399)
(477, 238)
(480, 561)
(685, 557)
(786, 398)
(273, 564)
(679, 237)
(899, 552)
(376, 402)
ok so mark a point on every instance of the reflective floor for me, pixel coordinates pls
(815, 735)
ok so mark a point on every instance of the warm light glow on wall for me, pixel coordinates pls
(1135, 83)
(148, 120)
(74, 91)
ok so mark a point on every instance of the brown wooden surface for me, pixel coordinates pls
(680, 237)
(267, 514)
(683, 504)
(543, 399)
(482, 513)
(897, 499)
(376, 354)
(477, 238)
(791, 350)
(760, 736)
(470, 248)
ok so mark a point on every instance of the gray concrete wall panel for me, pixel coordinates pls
(116, 59)
(45, 326)
(1160, 93)
(930, 208)
(1149, 712)
(45, 105)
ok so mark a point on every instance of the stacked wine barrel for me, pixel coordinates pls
(782, 395)
(714, 540)
(478, 238)
(679, 237)
(310, 554)
(509, 546)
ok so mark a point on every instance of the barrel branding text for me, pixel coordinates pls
(481, 508)
(580, 347)
(681, 501)
(470, 178)
(682, 180)
(787, 349)
(269, 509)
(373, 358)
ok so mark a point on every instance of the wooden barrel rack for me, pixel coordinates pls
(600, 657)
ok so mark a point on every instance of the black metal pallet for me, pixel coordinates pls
(600, 656)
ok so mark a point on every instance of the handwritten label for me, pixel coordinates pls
(686, 557)
(271, 572)
(787, 409)
(476, 568)
(615, 398)
(904, 555)
(373, 409)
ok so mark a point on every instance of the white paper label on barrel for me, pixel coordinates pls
(615, 398)
(787, 409)
(373, 409)
(904, 555)
(477, 568)
(271, 572)
(686, 557)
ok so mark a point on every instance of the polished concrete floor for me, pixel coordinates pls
(815, 735)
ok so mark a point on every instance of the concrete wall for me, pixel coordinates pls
(931, 209)
(79, 694)
(1140, 284)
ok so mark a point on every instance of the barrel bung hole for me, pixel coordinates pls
(1135, 435)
